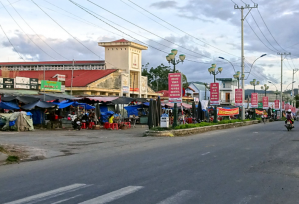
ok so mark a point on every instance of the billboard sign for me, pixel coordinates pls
(175, 87)
(26, 83)
(254, 100)
(214, 94)
(52, 86)
(126, 89)
(60, 77)
(265, 102)
(238, 97)
(6, 83)
(276, 105)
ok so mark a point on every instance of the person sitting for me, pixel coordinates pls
(111, 119)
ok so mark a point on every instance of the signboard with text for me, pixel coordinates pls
(6, 83)
(52, 86)
(238, 97)
(254, 100)
(60, 77)
(26, 83)
(276, 105)
(175, 87)
(265, 102)
(260, 105)
(214, 94)
(126, 89)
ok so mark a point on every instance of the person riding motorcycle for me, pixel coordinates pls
(289, 116)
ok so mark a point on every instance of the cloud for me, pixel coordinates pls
(164, 4)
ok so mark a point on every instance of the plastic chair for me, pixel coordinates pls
(83, 126)
(91, 124)
(115, 126)
(128, 124)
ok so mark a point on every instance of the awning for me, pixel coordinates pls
(9, 105)
(122, 100)
(102, 99)
(38, 104)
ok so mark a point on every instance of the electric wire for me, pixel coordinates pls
(180, 29)
(36, 32)
(66, 30)
(25, 32)
(12, 44)
(146, 30)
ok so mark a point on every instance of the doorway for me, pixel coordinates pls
(227, 97)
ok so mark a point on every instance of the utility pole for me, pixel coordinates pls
(282, 55)
(294, 72)
(247, 6)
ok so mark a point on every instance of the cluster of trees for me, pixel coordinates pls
(158, 77)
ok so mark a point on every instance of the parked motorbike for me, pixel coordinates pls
(289, 125)
(76, 124)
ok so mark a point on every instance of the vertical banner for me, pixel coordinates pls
(214, 94)
(254, 100)
(286, 106)
(283, 104)
(175, 87)
(293, 110)
(265, 102)
(276, 104)
(238, 97)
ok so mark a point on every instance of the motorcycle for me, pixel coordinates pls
(289, 125)
(76, 124)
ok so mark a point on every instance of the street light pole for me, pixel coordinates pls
(171, 58)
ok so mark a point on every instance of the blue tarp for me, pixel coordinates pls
(65, 104)
(146, 104)
(37, 116)
(105, 116)
(133, 110)
(9, 105)
(104, 108)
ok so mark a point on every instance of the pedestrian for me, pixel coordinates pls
(264, 116)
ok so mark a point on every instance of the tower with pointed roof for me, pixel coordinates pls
(127, 57)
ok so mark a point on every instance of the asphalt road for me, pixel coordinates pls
(253, 164)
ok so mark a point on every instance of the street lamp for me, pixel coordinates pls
(265, 87)
(290, 84)
(213, 71)
(276, 93)
(237, 76)
(171, 58)
(254, 83)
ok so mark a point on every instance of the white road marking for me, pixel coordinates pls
(178, 198)
(206, 153)
(61, 201)
(58, 191)
(113, 195)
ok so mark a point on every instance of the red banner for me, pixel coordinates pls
(283, 105)
(276, 104)
(214, 94)
(287, 106)
(238, 97)
(265, 102)
(293, 110)
(254, 100)
(258, 112)
(175, 87)
(227, 112)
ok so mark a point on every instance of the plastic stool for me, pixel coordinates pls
(106, 125)
(83, 126)
(90, 125)
(128, 124)
(114, 126)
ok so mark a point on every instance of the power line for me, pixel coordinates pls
(263, 33)
(66, 30)
(35, 32)
(12, 44)
(146, 30)
(180, 29)
(26, 33)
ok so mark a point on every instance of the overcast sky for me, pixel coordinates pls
(202, 30)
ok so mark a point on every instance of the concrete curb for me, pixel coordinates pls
(190, 131)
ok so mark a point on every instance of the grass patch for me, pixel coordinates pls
(3, 150)
(160, 129)
(12, 159)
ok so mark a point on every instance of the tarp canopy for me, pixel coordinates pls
(67, 103)
(102, 99)
(123, 100)
(9, 105)
(24, 99)
(38, 104)
(185, 105)
(133, 110)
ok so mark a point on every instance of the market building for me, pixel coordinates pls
(118, 75)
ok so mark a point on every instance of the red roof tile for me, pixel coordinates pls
(121, 40)
(81, 77)
(164, 92)
(52, 63)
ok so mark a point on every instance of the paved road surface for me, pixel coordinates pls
(253, 164)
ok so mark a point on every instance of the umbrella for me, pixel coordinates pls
(38, 104)
(98, 111)
(175, 115)
(193, 109)
(150, 118)
(122, 100)
(159, 107)
(199, 111)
